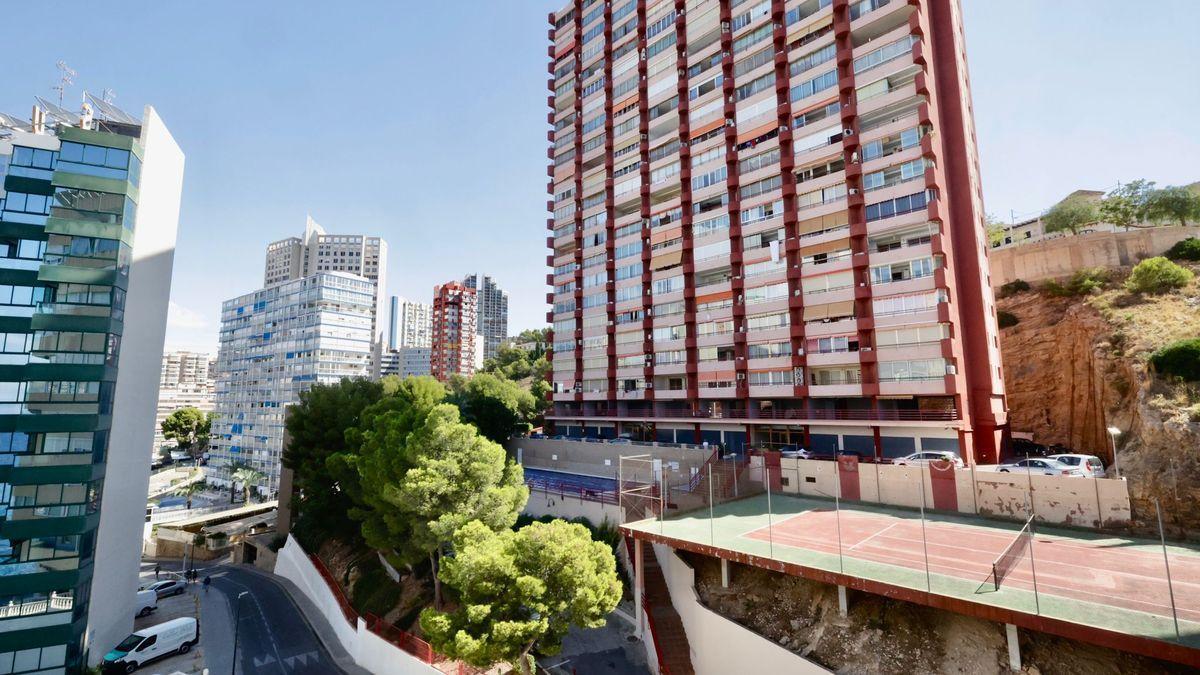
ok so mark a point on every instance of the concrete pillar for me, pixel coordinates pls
(843, 602)
(1014, 647)
(724, 573)
(638, 584)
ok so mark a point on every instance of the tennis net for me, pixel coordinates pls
(1012, 554)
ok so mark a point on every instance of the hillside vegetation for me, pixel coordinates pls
(1079, 359)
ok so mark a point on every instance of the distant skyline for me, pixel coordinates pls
(426, 124)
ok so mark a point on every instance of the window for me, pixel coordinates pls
(920, 369)
(815, 85)
(898, 206)
(94, 160)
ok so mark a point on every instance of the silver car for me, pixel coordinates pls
(1040, 465)
(1090, 465)
(924, 458)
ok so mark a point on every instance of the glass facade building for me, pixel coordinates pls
(274, 344)
(71, 211)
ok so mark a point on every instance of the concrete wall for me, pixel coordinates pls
(369, 650)
(1055, 258)
(603, 459)
(1086, 502)
(127, 473)
(568, 507)
(718, 645)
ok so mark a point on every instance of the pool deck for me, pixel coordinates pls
(1093, 587)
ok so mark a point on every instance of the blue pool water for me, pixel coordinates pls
(547, 478)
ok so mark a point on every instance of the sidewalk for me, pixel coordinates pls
(315, 620)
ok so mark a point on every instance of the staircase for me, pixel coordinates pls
(725, 475)
(666, 628)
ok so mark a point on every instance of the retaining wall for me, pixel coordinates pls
(1061, 256)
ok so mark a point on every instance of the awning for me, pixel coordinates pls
(828, 310)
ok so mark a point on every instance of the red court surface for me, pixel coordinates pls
(1105, 571)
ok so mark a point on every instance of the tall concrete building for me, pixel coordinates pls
(767, 227)
(300, 257)
(491, 313)
(409, 337)
(188, 381)
(455, 347)
(89, 211)
(276, 343)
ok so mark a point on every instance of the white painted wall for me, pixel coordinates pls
(568, 507)
(368, 650)
(127, 474)
(720, 646)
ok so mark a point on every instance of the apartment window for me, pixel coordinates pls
(812, 60)
(833, 344)
(918, 369)
(752, 38)
(884, 54)
(771, 378)
(898, 206)
(815, 85)
(767, 350)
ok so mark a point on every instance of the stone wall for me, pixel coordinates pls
(1060, 257)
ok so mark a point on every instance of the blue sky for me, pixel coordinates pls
(425, 123)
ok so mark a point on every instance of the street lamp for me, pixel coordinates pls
(237, 621)
(1113, 432)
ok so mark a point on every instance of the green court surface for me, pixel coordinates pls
(1094, 579)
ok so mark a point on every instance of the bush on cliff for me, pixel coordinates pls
(1157, 275)
(1188, 249)
(1179, 359)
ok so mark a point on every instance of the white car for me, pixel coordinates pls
(1090, 465)
(924, 458)
(168, 588)
(1039, 465)
(796, 453)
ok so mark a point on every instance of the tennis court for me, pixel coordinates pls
(1092, 579)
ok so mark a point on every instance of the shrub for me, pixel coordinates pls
(374, 591)
(1082, 282)
(1179, 359)
(1157, 275)
(1012, 288)
(1006, 319)
(1188, 249)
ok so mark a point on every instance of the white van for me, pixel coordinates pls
(146, 602)
(172, 637)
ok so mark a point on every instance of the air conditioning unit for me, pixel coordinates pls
(799, 351)
(847, 132)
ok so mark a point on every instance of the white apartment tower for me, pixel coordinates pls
(296, 258)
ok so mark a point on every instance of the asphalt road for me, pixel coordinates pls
(272, 636)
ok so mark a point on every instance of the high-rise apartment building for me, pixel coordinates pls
(411, 324)
(89, 211)
(454, 349)
(276, 343)
(491, 321)
(406, 362)
(187, 368)
(300, 257)
(188, 381)
(767, 227)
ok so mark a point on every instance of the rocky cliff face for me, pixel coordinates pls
(1076, 366)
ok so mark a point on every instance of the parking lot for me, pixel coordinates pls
(186, 604)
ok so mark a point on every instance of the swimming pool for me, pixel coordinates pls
(555, 480)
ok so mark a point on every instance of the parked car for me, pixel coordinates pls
(1090, 465)
(167, 588)
(794, 452)
(924, 458)
(146, 602)
(620, 441)
(150, 644)
(1038, 465)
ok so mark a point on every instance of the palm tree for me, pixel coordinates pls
(189, 489)
(247, 476)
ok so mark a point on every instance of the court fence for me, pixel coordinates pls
(825, 519)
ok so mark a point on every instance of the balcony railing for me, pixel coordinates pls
(867, 415)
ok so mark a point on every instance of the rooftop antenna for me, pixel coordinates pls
(66, 77)
(108, 95)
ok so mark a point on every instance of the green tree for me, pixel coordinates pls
(317, 429)
(1157, 275)
(1173, 204)
(189, 489)
(1126, 205)
(496, 405)
(420, 484)
(995, 230)
(248, 477)
(520, 591)
(189, 428)
(1070, 214)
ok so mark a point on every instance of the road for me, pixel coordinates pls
(273, 638)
